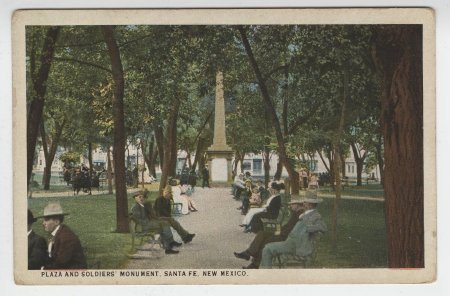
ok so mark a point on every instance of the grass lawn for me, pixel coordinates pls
(92, 218)
(371, 190)
(361, 235)
(361, 231)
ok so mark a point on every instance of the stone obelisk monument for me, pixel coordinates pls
(219, 154)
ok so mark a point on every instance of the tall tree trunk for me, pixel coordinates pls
(397, 53)
(159, 138)
(148, 156)
(338, 165)
(170, 154)
(293, 175)
(380, 159)
(152, 169)
(198, 152)
(90, 159)
(266, 159)
(109, 171)
(119, 130)
(39, 89)
(50, 152)
(46, 176)
(359, 159)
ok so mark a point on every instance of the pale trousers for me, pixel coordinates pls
(272, 250)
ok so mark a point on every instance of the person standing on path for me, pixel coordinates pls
(299, 241)
(163, 210)
(263, 237)
(205, 177)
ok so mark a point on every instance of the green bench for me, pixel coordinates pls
(137, 233)
(290, 260)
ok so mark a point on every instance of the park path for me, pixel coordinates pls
(218, 235)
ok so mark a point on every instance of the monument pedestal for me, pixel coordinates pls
(219, 162)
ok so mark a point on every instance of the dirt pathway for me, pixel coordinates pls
(218, 235)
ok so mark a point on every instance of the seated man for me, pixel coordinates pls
(142, 213)
(64, 248)
(163, 211)
(37, 246)
(262, 237)
(299, 241)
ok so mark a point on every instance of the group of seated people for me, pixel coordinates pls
(294, 237)
(159, 218)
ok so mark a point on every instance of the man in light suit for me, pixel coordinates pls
(299, 241)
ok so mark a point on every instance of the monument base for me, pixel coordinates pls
(219, 162)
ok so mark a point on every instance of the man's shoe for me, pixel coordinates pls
(188, 238)
(243, 255)
(250, 266)
(243, 225)
(175, 244)
(170, 251)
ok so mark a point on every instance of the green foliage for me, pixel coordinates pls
(70, 157)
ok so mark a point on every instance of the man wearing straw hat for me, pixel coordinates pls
(299, 241)
(263, 237)
(37, 246)
(64, 248)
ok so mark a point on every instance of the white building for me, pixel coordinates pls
(252, 163)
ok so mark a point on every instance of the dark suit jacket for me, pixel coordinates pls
(273, 208)
(162, 207)
(37, 251)
(67, 252)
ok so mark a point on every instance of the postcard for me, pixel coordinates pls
(224, 146)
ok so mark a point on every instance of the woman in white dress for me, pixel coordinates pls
(178, 198)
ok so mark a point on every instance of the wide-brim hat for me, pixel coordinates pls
(53, 209)
(31, 218)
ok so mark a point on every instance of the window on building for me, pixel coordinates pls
(257, 166)
(247, 165)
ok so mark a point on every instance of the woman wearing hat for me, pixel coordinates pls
(37, 246)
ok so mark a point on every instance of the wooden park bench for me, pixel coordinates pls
(291, 260)
(137, 233)
(274, 225)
